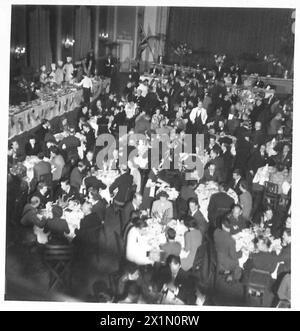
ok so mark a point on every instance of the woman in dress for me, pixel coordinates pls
(192, 240)
(162, 208)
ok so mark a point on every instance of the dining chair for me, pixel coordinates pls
(58, 259)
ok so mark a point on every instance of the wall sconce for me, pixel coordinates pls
(18, 51)
(103, 36)
(68, 42)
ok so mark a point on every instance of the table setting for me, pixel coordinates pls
(155, 235)
(72, 213)
(245, 242)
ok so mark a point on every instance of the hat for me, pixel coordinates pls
(163, 194)
(57, 211)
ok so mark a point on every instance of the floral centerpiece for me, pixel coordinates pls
(172, 192)
(245, 240)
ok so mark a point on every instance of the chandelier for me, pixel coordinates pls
(103, 36)
(68, 42)
(18, 51)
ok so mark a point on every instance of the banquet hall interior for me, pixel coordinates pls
(150, 155)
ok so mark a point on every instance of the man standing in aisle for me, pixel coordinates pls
(87, 86)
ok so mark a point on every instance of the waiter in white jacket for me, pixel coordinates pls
(87, 85)
(198, 118)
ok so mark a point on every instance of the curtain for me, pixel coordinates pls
(230, 31)
(39, 38)
(82, 32)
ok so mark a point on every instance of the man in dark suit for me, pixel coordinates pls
(67, 192)
(32, 147)
(235, 182)
(258, 137)
(155, 71)
(43, 194)
(151, 101)
(42, 170)
(124, 184)
(212, 174)
(133, 205)
(89, 161)
(175, 72)
(171, 247)
(237, 221)
(77, 176)
(99, 204)
(87, 236)
(285, 254)
(178, 282)
(227, 257)
(42, 131)
(194, 211)
(109, 66)
(217, 158)
(135, 76)
(68, 146)
(90, 137)
(139, 100)
(219, 204)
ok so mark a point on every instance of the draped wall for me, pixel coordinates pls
(39, 37)
(229, 30)
(82, 32)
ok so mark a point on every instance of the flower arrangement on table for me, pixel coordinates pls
(245, 240)
(219, 59)
(172, 192)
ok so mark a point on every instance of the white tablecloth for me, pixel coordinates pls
(154, 235)
(72, 213)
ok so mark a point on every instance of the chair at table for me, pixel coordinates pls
(89, 239)
(271, 196)
(58, 259)
(257, 285)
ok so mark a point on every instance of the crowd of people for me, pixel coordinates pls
(244, 135)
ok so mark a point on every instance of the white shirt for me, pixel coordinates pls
(196, 112)
(136, 248)
(130, 110)
(86, 83)
(144, 89)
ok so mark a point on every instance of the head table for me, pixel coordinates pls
(28, 115)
